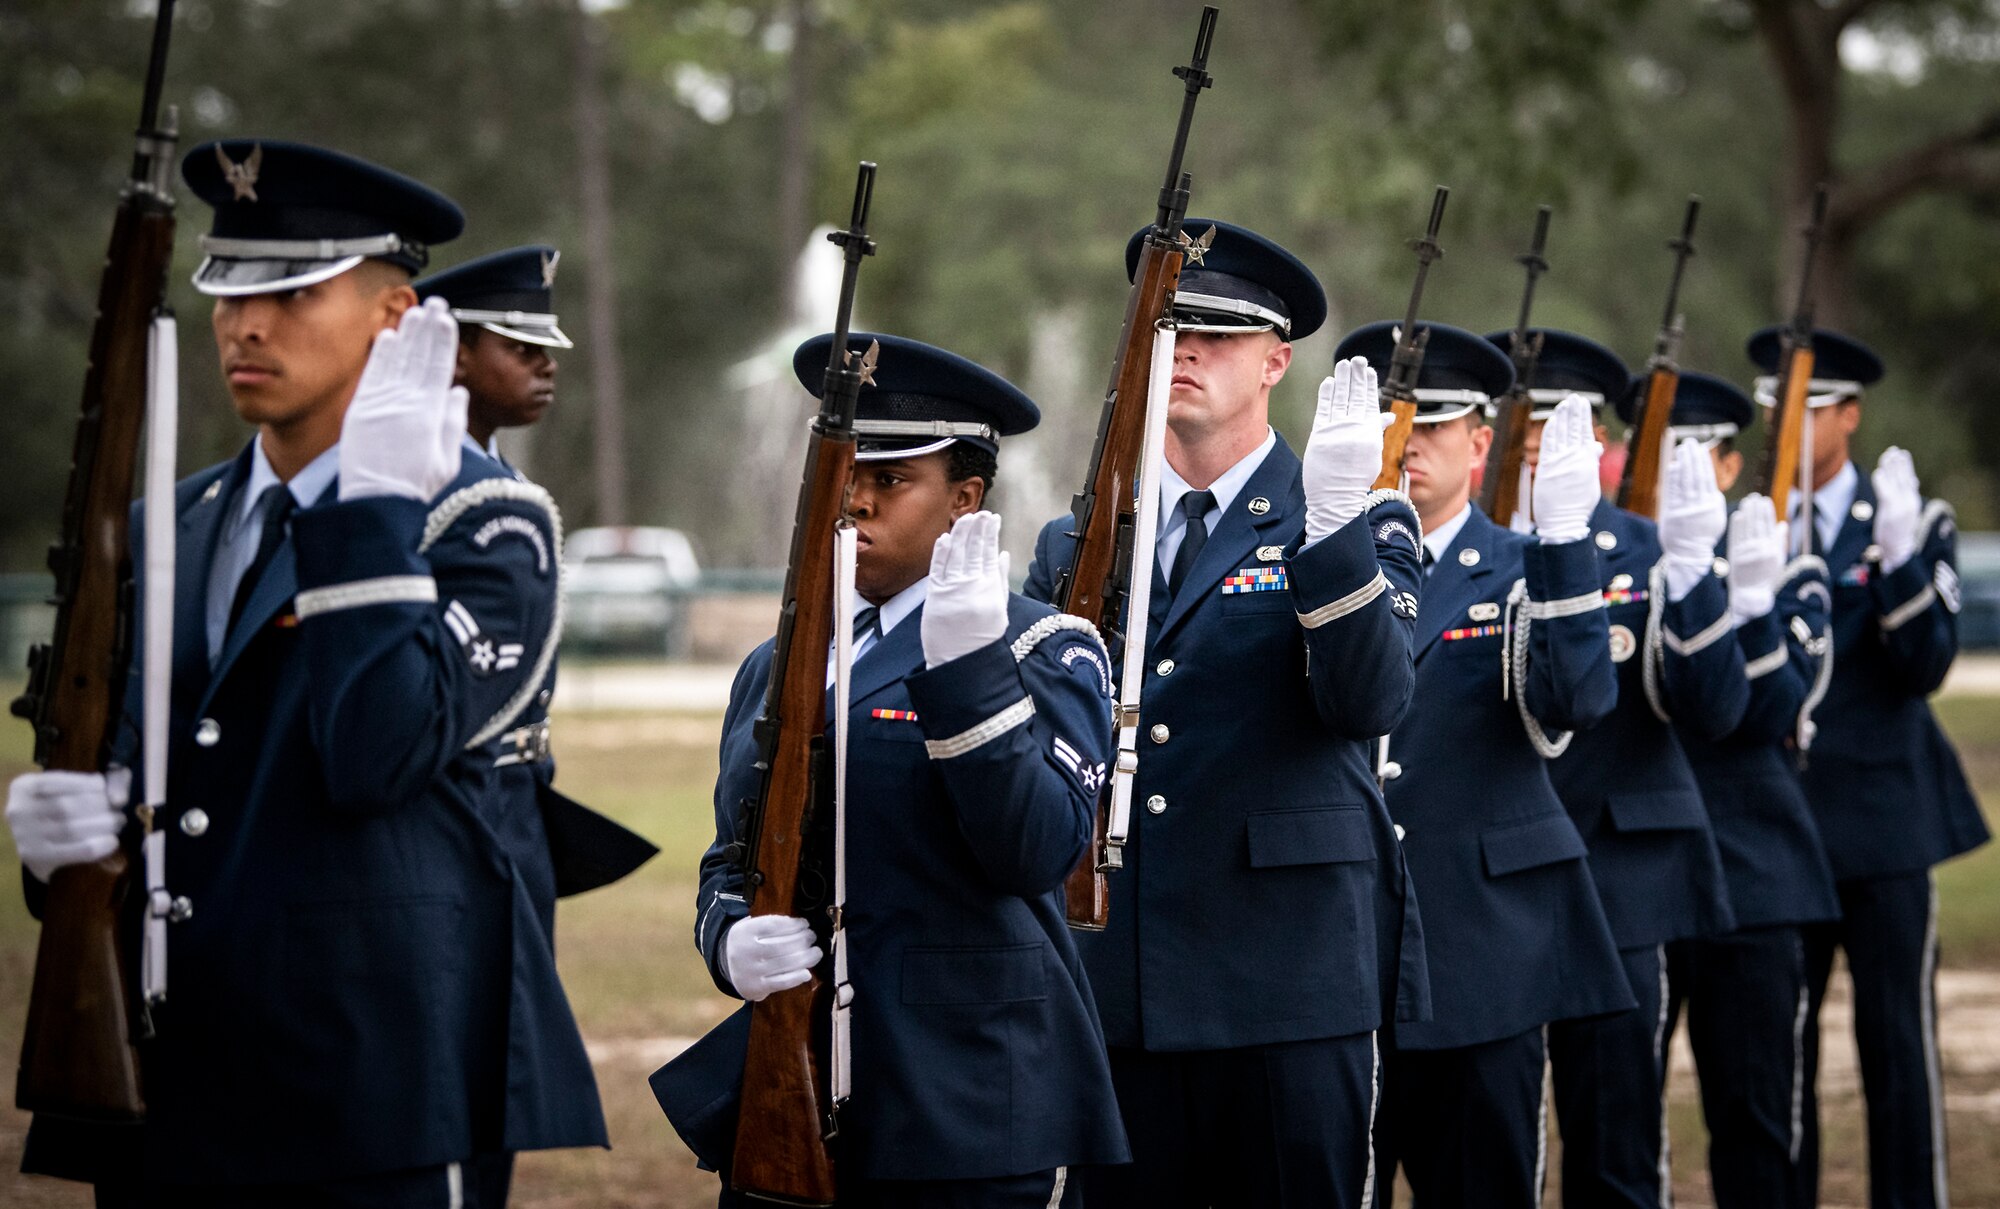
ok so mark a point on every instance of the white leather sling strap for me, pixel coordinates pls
(841, 1078)
(157, 626)
(1139, 598)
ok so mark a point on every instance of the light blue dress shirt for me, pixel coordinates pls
(236, 547)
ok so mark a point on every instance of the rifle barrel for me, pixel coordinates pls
(1173, 193)
(1683, 248)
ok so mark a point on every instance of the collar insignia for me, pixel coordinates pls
(1468, 557)
(242, 177)
(1259, 506)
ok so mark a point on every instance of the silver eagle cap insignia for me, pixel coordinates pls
(549, 269)
(242, 177)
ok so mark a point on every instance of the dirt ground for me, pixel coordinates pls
(640, 992)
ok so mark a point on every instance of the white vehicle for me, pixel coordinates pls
(627, 586)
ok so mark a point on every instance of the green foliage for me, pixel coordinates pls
(1020, 143)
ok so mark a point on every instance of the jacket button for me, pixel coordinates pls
(1165, 667)
(1156, 804)
(181, 911)
(1160, 732)
(194, 824)
(207, 732)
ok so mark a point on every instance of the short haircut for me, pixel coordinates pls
(967, 461)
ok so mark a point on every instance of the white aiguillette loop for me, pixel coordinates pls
(1139, 600)
(845, 552)
(157, 630)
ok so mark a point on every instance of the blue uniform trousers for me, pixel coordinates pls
(1888, 928)
(1609, 1072)
(480, 1183)
(1279, 1126)
(1747, 1005)
(1467, 1124)
(1037, 1190)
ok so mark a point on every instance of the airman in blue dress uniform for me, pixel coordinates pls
(1891, 797)
(1511, 650)
(1627, 785)
(1745, 992)
(353, 1018)
(505, 307)
(980, 726)
(1263, 926)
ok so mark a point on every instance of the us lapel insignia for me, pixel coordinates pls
(1862, 510)
(214, 489)
(1259, 506)
(549, 269)
(1484, 611)
(1623, 643)
(1468, 557)
(1270, 554)
(242, 178)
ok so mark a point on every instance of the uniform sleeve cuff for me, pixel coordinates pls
(1335, 567)
(353, 541)
(1566, 571)
(963, 704)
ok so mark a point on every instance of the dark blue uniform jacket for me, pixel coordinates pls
(1886, 783)
(363, 985)
(1626, 782)
(1264, 897)
(1771, 850)
(1516, 935)
(976, 1044)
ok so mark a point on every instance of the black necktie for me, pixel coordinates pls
(1430, 561)
(867, 620)
(1195, 506)
(274, 510)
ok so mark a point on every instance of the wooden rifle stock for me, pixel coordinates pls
(1646, 444)
(1100, 573)
(1646, 448)
(787, 1114)
(1785, 438)
(1500, 489)
(1399, 386)
(1784, 442)
(77, 1051)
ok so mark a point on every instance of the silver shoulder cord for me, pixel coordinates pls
(157, 622)
(1139, 597)
(841, 1079)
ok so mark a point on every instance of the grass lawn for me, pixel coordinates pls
(639, 990)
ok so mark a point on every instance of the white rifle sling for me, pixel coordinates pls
(157, 626)
(841, 1079)
(1139, 597)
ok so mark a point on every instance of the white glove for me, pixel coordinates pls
(1693, 516)
(406, 425)
(1344, 453)
(765, 954)
(1756, 559)
(1566, 488)
(66, 818)
(967, 603)
(1524, 499)
(1898, 507)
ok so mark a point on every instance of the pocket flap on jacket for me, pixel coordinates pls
(1658, 810)
(976, 974)
(1309, 837)
(1518, 846)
